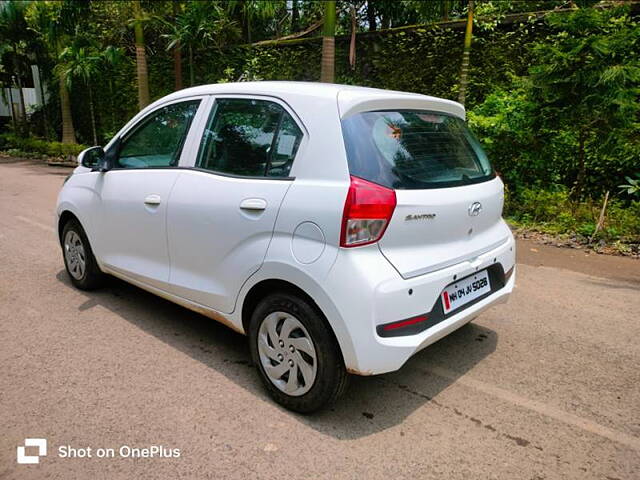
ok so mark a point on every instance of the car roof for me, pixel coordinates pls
(351, 99)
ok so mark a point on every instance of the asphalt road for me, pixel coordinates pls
(544, 387)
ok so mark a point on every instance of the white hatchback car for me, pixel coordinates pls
(342, 228)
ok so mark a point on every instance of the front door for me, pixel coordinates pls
(131, 217)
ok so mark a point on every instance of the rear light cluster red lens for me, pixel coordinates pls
(404, 323)
(367, 212)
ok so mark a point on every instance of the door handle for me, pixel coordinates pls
(152, 199)
(253, 204)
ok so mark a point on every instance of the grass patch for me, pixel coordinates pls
(553, 212)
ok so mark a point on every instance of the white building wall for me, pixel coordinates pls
(33, 97)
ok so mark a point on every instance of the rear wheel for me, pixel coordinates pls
(296, 354)
(79, 261)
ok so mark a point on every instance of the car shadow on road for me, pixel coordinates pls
(370, 405)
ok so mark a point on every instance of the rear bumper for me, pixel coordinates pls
(382, 296)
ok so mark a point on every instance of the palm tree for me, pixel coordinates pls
(83, 62)
(250, 10)
(80, 64)
(114, 57)
(13, 28)
(56, 22)
(141, 57)
(327, 70)
(464, 80)
(201, 24)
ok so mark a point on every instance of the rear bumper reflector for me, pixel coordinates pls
(404, 323)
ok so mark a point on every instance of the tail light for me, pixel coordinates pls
(367, 212)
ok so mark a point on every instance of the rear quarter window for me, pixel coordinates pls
(414, 149)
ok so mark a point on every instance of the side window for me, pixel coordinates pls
(157, 140)
(245, 137)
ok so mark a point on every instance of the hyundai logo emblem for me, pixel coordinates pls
(474, 209)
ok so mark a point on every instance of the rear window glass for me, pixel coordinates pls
(411, 149)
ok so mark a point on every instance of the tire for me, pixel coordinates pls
(78, 257)
(288, 313)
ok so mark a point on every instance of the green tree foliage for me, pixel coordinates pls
(574, 119)
(587, 84)
(84, 61)
(56, 23)
(199, 26)
(553, 96)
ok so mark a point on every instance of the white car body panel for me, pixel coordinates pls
(129, 235)
(215, 244)
(201, 250)
(444, 239)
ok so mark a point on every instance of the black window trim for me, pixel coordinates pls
(119, 142)
(204, 170)
(286, 108)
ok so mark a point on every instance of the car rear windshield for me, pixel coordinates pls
(414, 149)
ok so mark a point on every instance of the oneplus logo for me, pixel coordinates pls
(41, 443)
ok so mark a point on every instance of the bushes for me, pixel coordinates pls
(18, 144)
(552, 211)
(574, 119)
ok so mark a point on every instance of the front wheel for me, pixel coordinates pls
(296, 354)
(79, 261)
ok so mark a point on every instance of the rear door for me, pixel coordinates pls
(223, 210)
(449, 200)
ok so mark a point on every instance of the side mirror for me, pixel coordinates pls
(91, 158)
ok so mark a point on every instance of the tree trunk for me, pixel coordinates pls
(93, 116)
(464, 78)
(23, 108)
(244, 20)
(352, 43)
(295, 16)
(13, 113)
(582, 169)
(177, 66)
(141, 59)
(191, 74)
(112, 114)
(177, 55)
(327, 70)
(601, 218)
(68, 132)
(446, 5)
(45, 117)
(371, 16)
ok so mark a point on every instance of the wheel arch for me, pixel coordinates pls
(328, 313)
(65, 217)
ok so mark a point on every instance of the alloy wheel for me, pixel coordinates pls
(75, 255)
(287, 353)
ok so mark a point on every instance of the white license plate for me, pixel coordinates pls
(466, 290)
